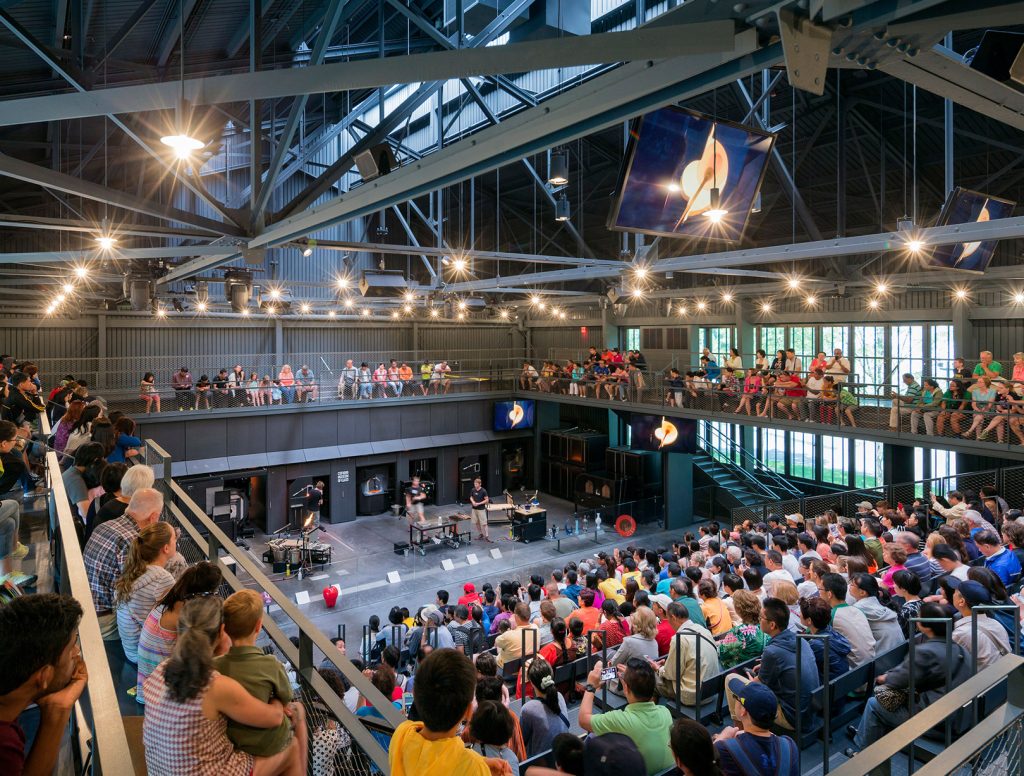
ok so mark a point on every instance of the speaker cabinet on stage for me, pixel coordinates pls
(603, 490)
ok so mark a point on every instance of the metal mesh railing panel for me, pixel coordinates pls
(1003, 755)
(1012, 487)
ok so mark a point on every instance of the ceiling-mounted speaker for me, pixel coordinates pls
(377, 161)
(1000, 56)
(140, 294)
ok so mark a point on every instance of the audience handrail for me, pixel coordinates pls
(110, 752)
(1008, 667)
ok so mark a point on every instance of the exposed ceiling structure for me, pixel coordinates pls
(876, 111)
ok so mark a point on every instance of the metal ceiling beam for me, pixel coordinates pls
(646, 44)
(468, 253)
(589, 107)
(77, 83)
(194, 267)
(943, 73)
(62, 257)
(110, 45)
(51, 179)
(15, 221)
(337, 13)
(885, 242)
(169, 36)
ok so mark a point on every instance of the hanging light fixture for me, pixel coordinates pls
(558, 167)
(716, 212)
(181, 142)
(562, 208)
(105, 239)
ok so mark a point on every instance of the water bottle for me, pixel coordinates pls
(576, 530)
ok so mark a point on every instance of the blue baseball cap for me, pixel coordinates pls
(611, 754)
(760, 702)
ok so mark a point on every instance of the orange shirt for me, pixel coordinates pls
(590, 615)
(405, 372)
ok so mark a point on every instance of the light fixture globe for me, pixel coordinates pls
(558, 168)
(182, 144)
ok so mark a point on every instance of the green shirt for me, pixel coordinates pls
(647, 724)
(693, 608)
(994, 366)
(263, 677)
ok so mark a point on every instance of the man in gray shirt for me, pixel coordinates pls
(347, 381)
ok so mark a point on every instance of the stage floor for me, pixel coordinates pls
(363, 555)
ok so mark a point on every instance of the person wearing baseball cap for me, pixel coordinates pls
(612, 754)
(864, 506)
(750, 748)
(992, 640)
(470, 596)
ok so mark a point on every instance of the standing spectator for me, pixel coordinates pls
(181, 382)
(642, 720)
(43, 666)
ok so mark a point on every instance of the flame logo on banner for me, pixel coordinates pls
(667, 433)
(515, 415)
(971, 247)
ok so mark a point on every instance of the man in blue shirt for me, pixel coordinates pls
(572, 590)
(1003, 562)
(711, 368)
(915, 562)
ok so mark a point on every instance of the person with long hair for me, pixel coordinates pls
(882, 620)
(80, 432)
(545, 716)
(855, 548)
(188, 704)
(144, 581)
(147, 392)
(612, 625)
(62, 430)
(126, 444)
(693, 749)
(103, 433)
(160, 631)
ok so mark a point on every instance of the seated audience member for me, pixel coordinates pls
(916, 561)
(681, 590)
(745, 640)
(645, 722)
(641, 642)
(510, 644)
(261, 675)
(848, 620)
(545, 716)
(1001, 560)
(930, 671)
(659, 605)
(107, 548)
(992, 642)
(716, 615)
(681, 682)
(778, 668)
(160, 631)
(492, 727)
(588, 614)
(816, 616)
(693, 750)
(613, 627)
(884, 623)
(144, 581)
(750, 748)
(188, 703)
(908, 588)
(43, 666)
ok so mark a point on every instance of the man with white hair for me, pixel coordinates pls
(136, 478)
(107, 549)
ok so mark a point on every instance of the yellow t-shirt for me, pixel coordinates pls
(410, 754)
(612, 588)
(627, 575)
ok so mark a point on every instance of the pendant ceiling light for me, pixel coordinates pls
(715, 212)
(182, 143)
(562, 210)
(558, 167)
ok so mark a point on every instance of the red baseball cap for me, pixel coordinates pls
(468, 588)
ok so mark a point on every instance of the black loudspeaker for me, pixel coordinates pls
(602, 490)
(379, 160)
(1000, 56)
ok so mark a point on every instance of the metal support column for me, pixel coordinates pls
(947, 130)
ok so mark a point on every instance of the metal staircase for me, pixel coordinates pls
(742, 479)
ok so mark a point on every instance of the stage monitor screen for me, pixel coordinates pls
(513, 415)
(674, 159)
(657, 432)
(967, 207)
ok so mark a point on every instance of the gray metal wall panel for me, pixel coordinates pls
(547, 339)
(1003, 338)
(370, 342)
(46, 343)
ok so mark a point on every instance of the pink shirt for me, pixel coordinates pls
(887, 576)
(752, 384)
(1018, 373)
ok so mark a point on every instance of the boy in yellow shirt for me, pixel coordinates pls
(443, 697)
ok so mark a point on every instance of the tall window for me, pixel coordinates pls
(801, 339)
(719, 439)
(801, 455)
(771, 339)
(869, 464)
(774, 452)
(835, 460)
(907, 350)
(632, 339)
(868, 360)
(943, 350)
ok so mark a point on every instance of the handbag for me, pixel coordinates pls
(890, 698)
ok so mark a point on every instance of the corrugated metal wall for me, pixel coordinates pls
(568, 338)
(46, 342)
(1004, 338)
(374, 340)
(502, 342)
